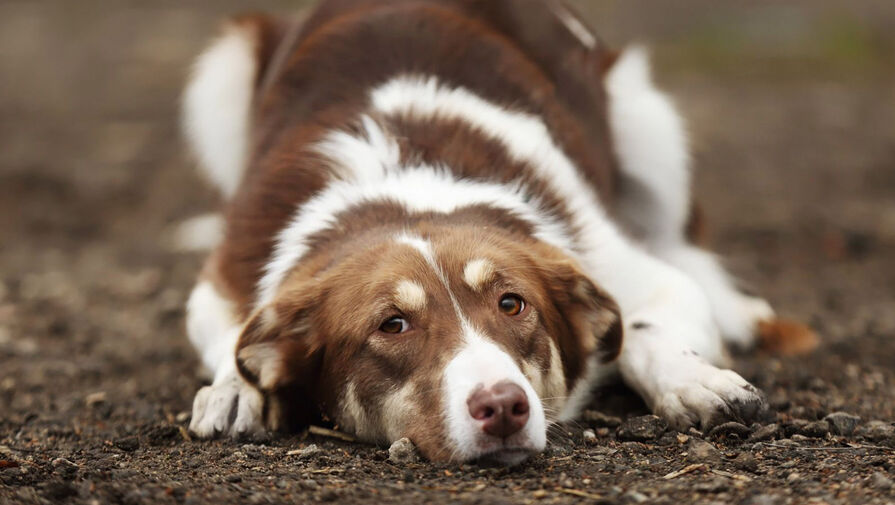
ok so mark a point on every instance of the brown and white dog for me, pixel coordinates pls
(442, 216)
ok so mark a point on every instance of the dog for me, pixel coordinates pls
(448, 220)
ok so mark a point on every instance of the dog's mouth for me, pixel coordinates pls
(507, 456)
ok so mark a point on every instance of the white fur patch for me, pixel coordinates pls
(212, 328)
(229, 406)
(524, 136)
(651, 145)
(422, 189)
(481, 363)
(478, 272)
(354, 418)
(411, 295)
(217, 105)
(555, 384)
(198, 234)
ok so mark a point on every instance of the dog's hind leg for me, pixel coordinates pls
(654, 204)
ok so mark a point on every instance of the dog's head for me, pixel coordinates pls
(467, 341)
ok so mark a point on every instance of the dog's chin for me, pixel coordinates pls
(507, 457)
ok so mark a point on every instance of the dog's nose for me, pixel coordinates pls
(502, 408)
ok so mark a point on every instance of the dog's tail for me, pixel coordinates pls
(786, 337)
(220, 95)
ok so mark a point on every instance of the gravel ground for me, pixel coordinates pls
(792, 110)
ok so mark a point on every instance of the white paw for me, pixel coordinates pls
(228, 407)
(698, 394)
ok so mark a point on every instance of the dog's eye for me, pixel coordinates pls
(394, 325)
(511, 304)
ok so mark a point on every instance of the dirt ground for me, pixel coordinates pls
(792, 112)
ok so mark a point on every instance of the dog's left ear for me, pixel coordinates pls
(593, 317)
(280, 353)
(589, 324)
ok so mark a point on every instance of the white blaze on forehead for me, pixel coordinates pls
(425, 249)
(410, 295)
(478, 272)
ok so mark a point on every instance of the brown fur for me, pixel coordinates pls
(789, 338)
(323, 325)
(323, 86)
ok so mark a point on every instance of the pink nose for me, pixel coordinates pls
(502, 408)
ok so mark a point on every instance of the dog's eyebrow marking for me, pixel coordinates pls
(425, 249)
(478, 272)
(410, 295)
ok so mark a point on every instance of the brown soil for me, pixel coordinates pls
(792, 109)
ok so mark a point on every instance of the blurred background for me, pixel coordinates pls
(791, 106)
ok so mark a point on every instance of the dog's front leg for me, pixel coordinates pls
(229, 406)
(670, 353)
(672, 347)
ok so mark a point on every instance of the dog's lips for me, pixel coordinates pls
(508, 456)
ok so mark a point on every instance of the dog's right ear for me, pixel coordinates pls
(281, 355)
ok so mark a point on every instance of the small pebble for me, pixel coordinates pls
(700, 451)
(642, 428)
(307, 452)
(308, 484)
(879, 481)
(794, 476)
(65, 468)
(877, 431)
(636, 497)
(764, 433)
(127, 444)
(589, 436)
(762, 499)
(402, 452)
(842, 423)
(794, 426)
(746, 461)
(816, 429)
(95, 398)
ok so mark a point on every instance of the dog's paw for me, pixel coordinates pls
(705, 396)
(230, 407)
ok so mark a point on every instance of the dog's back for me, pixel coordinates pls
(309, 78)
